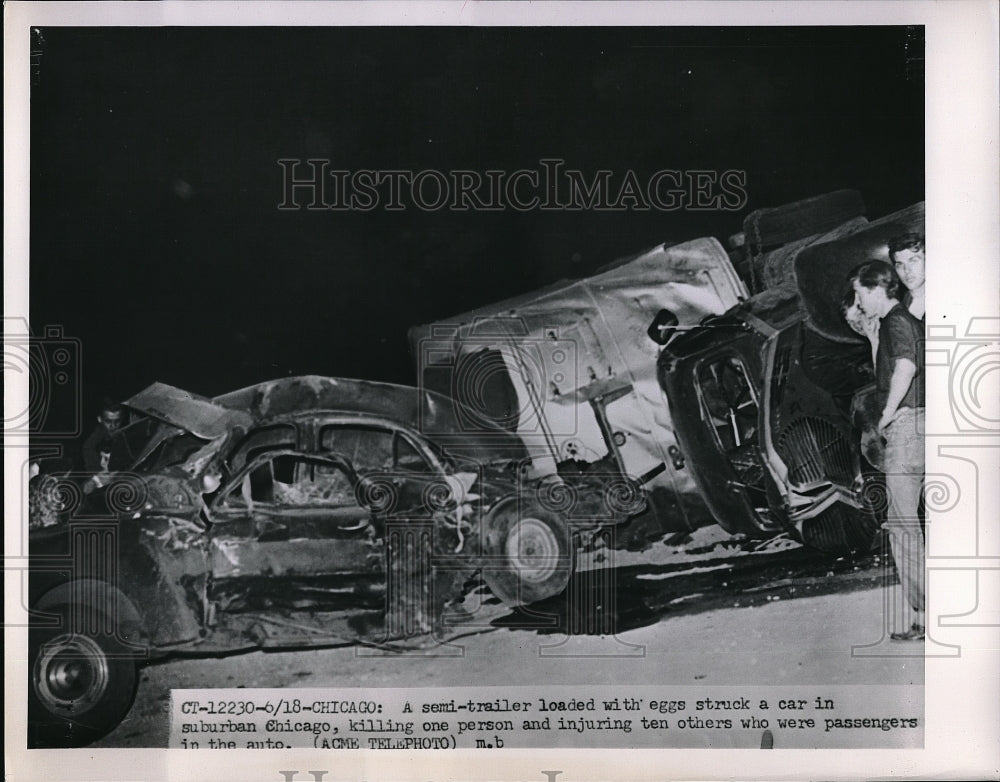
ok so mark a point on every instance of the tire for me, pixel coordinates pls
(532, 554)
(80, 685)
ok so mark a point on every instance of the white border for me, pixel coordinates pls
(963, 204)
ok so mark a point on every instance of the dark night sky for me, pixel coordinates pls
(155, 233)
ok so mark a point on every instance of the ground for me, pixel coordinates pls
(709, 610)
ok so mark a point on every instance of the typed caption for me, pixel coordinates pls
(492, 718)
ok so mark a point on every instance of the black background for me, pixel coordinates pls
(156, 238)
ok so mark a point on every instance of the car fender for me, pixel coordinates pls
(163, 568)
(93, 599)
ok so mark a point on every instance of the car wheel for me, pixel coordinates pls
(81, 685)
(532, 554)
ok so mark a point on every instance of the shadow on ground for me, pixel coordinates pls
(612, 599)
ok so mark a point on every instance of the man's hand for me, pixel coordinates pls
(886, 419)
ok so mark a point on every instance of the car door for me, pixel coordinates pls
(398, 479)
(288, 532)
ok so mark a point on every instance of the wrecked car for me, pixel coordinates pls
(300, 512)
(761, 395)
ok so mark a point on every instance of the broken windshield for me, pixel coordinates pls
(170, 447)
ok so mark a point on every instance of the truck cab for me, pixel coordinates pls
(762, 398)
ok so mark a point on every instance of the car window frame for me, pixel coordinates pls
(262, 450)
(221, 510)
(436, 466)
(706, 411)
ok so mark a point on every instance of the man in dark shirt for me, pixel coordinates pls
(108, 423)
(899, 380)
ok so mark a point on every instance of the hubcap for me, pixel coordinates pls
(71, 674)
(533, 550)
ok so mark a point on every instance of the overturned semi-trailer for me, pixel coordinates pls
(572, 369)
(727, 404)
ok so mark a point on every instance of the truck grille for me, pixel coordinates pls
(815, 450)
(840, 529)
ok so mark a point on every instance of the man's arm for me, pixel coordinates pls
(903, 372)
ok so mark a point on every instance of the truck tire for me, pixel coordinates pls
(532, 554)
(80, 685)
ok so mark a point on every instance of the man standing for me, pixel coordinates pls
(108, 422)
(906, 254)
(899, 379)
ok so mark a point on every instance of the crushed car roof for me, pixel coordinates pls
(196, 414)
(430, 413)
(289, 395)
(433, 415)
